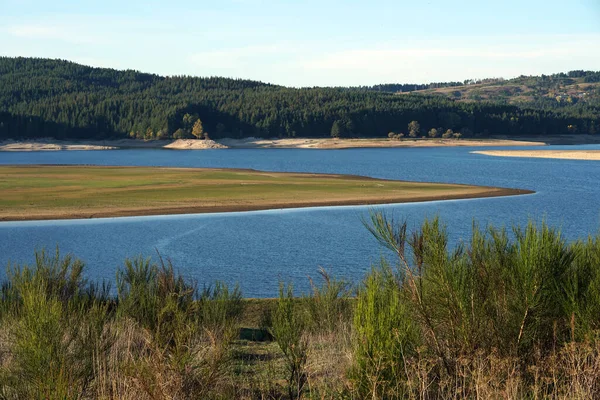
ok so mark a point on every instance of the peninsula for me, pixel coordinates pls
(67, 192)
(556, 154)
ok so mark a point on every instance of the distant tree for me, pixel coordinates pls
(336, 129)
(457, 135)
(149, 134)
(188, 121)
(349, 127)
(162, 134)
(392, 135)
(198, 129)
(179, 134)
(414, 129)
(433, 133)
(449, 133)
(572, 128)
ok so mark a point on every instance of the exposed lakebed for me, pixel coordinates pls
(257, 249)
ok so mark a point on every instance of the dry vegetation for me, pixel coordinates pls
(51, 192)
(519, 90)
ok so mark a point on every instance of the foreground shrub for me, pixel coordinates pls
(328, 305)
(515, 298)
(289, 332)
(59, 278)
(581, 287)
(54, 329)
(384, 335)
(160, 301)
(191, 332)
(219, 306)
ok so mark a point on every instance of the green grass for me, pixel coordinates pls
(38, 192)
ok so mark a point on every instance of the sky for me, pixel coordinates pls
(311, 42)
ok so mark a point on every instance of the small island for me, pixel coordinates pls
(67, 192)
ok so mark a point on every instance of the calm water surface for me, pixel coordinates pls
(257, 249)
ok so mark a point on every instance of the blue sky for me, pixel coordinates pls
(311, 43)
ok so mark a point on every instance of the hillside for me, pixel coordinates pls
(557, 90)
(61, 99)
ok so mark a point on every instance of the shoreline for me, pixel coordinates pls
(330, 143)
(491, 193)
(82, 145)
(585, 155)
(49, 144)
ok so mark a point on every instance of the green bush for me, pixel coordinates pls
(160, 301)
(289, 333)
(385, 335)
(329, 304)
(581, 287)
(54, 328)
(59, 278)
(516, 296)
(220, 306)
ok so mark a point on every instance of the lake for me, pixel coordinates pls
(258, 249)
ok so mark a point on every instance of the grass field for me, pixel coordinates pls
(52, 192)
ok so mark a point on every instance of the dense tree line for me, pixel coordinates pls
(61, 99)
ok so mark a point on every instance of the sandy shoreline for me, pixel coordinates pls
(329, 143)
(254, 143)
(556, 154)
(53, 145)
(289, 143)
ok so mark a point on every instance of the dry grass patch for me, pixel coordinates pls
(49, 192)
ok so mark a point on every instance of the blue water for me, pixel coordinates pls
(257, 249)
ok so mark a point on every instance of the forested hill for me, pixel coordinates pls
(61, 99)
